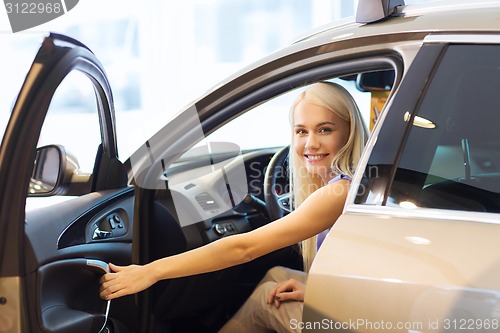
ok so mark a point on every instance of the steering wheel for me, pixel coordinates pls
(278, 205)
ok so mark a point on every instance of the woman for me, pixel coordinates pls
(328, 138)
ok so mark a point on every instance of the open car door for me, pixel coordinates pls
(51, 258)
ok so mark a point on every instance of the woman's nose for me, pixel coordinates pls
(312, 142)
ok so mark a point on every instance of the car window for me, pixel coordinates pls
(267, 125)
(72, 122)
(452, 156)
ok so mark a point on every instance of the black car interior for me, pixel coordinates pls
(205, 302)
(462, 170)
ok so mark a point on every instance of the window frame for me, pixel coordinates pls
(390, 138)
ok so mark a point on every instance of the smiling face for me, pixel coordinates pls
(318, 135)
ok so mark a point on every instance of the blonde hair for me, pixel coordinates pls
(302, 183)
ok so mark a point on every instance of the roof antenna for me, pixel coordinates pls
(374, 10)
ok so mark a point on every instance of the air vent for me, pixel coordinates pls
(206, 201)
(188, 186)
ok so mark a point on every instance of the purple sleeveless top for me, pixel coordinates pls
(322, 235)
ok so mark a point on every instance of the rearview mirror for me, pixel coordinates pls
(55, 172)
(375, 81)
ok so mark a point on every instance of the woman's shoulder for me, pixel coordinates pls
(337, 187)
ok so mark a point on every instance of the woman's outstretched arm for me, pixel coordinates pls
(317, 213)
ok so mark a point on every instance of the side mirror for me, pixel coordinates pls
(55, 172)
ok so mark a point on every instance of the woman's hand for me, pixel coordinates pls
(290, 290)
(125, 280)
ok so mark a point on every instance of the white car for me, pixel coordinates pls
(415, 250)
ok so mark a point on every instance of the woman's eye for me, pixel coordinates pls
(325, 130)
(300, 132)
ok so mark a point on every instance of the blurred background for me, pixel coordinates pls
(159, 55)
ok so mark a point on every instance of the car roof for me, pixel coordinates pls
(436, 16)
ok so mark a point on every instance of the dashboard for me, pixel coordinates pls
(206, 201)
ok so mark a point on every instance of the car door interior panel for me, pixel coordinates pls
(73, 223)
(63, 278)
(68, 292)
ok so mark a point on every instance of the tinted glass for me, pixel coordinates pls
(452, 157)
(385, 153)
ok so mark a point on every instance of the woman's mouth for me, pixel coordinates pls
(315, 157)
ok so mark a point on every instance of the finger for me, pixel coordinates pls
(282, 297)
(113, 291)
(105, 286)
(115, 268)
(284, 287)
(117, 294)
(279, 288)
(277, 302)
(104, 294)
(270, 297)
(119, 291)
(106, 290)
(106, 277)
(287, 296)
(272, 294)
(106, 283)
(278, 298)
(110, 296)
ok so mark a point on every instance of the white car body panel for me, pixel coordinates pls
(388, 269)
(417, 263)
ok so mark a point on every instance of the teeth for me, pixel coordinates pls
(315, 157)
